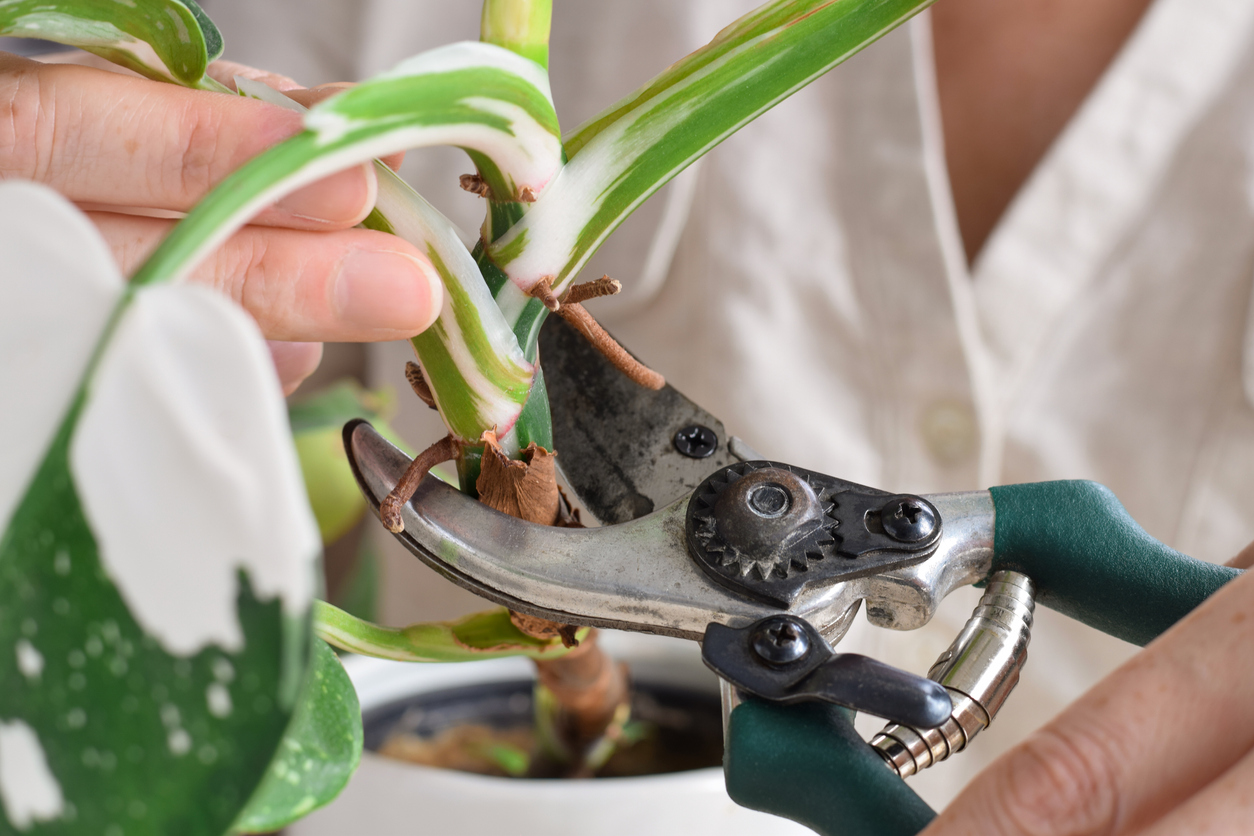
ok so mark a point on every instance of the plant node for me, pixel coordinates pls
(413, 373)
(475, 184)
(543, 290)
(526, 195)
(390, 509)
(578, 316)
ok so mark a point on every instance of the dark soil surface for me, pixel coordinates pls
(485, 728)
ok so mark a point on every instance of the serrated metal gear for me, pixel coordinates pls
(768, 530)
(750, 547)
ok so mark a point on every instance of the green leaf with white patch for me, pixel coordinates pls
(522, 27)
(156, 552)
(628, 152)
(319, 752)
(166, 40)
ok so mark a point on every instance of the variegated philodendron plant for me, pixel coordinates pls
(158, 554)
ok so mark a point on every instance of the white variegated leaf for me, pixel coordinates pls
(156, 553)
(55, 300)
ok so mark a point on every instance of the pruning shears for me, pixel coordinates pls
(767, 564)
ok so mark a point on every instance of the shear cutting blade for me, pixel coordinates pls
(615, 439)
(633, 576)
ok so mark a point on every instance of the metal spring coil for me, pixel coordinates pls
(979, 670)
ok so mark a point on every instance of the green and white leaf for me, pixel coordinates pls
(522, 27)
(319, 752)
(156, 553)
(470, 358)
(625, 154)
(477, 96)
(484, 635)
(167, 40)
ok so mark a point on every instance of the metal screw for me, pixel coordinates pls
(696, 441)
(780, 640)
(908, 520)
(770, 500)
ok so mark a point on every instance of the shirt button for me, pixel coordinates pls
(949, 431)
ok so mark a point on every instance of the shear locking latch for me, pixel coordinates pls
(769, 530)
(783, 659)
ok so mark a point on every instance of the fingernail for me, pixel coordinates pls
(342, 198)
(387, 291)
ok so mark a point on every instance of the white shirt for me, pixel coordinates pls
(806, 281)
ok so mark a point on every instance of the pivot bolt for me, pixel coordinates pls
(770, 500)
(780, 640)
(696, 441)
(908, 520)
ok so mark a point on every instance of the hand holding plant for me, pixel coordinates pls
(118, 145)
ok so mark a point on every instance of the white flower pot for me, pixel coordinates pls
(391, 798)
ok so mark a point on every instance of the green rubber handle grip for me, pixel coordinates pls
(807, 763)
(1089, 560)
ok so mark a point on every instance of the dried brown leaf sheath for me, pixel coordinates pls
(475, 184)
(525, 489)
(542, 628)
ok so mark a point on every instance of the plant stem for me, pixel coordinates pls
(209, 83)
(521, 26)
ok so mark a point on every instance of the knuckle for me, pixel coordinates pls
(1061, 782)
(247, 272)
(230, 269)
(199, 164)
(27, 123)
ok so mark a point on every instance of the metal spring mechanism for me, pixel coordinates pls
(979, 669)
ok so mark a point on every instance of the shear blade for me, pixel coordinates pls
(615, 439)
(635, 575)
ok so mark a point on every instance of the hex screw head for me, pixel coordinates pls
(780, 641)
(908, 520)
(696, 441)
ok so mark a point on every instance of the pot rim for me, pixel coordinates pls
(655, 659)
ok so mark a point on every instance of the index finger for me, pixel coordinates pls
(108, 139)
